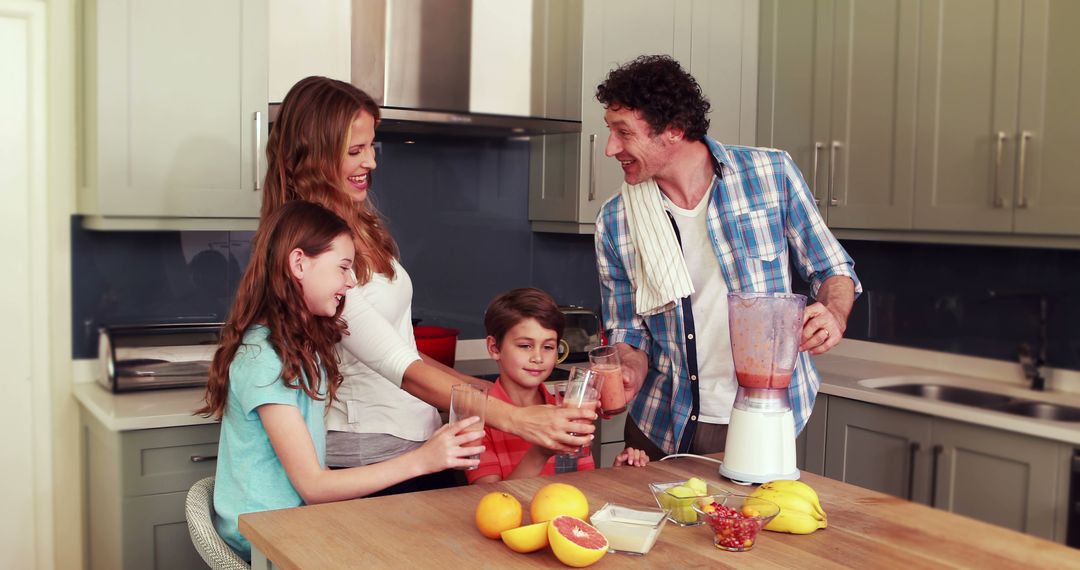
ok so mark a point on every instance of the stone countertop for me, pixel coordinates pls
(141, 410)
(852, 370)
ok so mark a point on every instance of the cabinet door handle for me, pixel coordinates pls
(592, 170)
(203, 458)
(813, 181)
(999, 147)
(938, 449)
(834, 149)
(1021, 199)
(913, 449)
(258, 147)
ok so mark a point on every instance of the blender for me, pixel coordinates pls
(765, 330)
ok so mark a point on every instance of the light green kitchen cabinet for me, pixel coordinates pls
(810, 445)
(1008, 479)
(136, 485)
(837, 89)
(174, 120)
(879, 448)
(997, 117)
(713, 39)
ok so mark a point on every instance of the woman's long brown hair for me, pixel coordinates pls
(304, 154)
(269, 295)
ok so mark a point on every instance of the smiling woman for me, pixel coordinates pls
(321, 150)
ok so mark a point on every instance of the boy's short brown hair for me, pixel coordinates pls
(512, 307)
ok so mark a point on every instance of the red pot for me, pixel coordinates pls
(439, 343)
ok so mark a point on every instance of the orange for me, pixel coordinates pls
(528, 538)
(497, 512)
(575, 542)
(557, 499)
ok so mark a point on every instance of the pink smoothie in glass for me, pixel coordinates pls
(612, 394)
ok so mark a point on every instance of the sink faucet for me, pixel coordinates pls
(1031, 360)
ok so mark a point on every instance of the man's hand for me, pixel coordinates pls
(824, 322)
(635, 364)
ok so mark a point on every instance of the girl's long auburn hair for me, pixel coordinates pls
(304, 155)
(269, 295)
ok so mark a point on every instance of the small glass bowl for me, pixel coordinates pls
(735, 519)
(681, 511)
(629, 530)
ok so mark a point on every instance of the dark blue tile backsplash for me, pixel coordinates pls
(974, 300)
(458, 208)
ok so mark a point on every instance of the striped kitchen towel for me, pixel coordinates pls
(659, 275)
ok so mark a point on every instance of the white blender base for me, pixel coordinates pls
(760, 447)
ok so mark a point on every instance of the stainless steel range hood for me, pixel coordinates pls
(469, 67)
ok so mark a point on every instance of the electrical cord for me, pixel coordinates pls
(674, 455)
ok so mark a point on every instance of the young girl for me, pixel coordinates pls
(524, 327)
(322, 150)
(276, 370)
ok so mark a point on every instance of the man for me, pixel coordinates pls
(695, 220)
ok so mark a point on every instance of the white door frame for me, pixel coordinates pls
(27, 493)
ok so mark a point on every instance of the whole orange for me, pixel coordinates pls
(497, 512)
(556, 499)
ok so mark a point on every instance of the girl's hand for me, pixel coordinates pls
(452, 447)
(631, 456)
(550, 427)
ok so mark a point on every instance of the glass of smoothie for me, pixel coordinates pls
(581, 390)
(604, 361)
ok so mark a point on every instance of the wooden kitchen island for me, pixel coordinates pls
(866, 529)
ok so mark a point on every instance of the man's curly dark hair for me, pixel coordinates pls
(664, 93)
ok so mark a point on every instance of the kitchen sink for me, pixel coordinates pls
(953, 394)
(1042, 410)
(985, 400)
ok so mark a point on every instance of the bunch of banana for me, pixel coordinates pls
(800, 509)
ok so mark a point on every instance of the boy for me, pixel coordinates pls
(524, 327)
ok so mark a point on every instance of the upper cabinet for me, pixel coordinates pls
(714, 40)
(175, 114)
(928, 115)
(837, 91)
(997, 117)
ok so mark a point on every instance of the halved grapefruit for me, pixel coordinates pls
(575, 542)
(528, 538)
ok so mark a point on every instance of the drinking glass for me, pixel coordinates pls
(604, 360)
(581, 390)
(467, 400)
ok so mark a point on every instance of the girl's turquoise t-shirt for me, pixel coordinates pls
(250, 478)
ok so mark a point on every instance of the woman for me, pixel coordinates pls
(323, 138)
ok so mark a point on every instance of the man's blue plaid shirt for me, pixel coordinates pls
(760, 212)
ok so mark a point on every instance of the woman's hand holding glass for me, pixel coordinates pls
(552, 427)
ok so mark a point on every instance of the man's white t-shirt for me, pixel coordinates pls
(716, 367)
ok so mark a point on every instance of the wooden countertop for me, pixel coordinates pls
(436, 528)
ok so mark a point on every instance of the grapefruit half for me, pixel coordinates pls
(575, 542)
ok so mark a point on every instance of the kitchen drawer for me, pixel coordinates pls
(167, 460)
